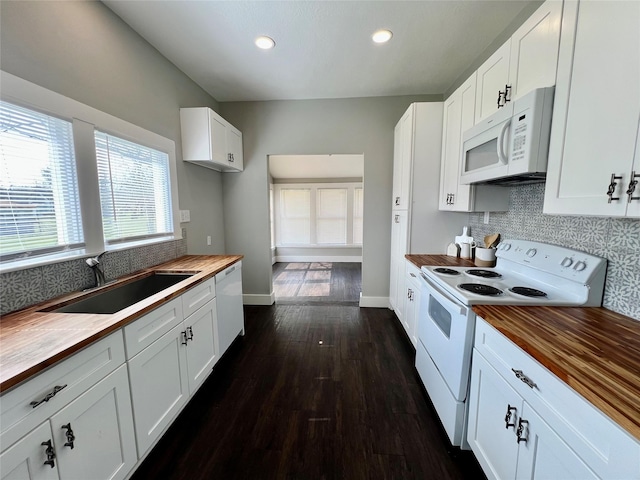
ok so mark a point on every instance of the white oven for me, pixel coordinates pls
(527, 273)
(443, 356)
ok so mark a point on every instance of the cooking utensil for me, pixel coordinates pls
(492, 240)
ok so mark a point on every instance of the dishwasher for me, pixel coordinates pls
(229, 305)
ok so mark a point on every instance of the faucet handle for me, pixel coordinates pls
(94, 261)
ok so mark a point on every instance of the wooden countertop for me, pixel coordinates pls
(32, 340)
(593, 350)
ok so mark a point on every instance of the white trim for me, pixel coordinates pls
(374, 302)
(258, 299)
(319, 258)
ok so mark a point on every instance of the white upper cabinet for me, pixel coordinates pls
(210, 141)
(402, 160)
(458, 116)
(525, 62)
(594, 146)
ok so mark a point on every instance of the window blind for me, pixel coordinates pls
(39, 204)
(295, 216)
(331, 219)
(135, 192)
(358, 214)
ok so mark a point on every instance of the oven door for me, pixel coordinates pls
(445, 330)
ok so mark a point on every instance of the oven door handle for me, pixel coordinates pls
(442, 296)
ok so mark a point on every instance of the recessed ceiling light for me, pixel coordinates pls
(382, 36)
(265, 42)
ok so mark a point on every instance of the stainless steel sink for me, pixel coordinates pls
(123, 296)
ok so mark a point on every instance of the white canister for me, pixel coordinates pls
(466, 250)
(485, 257)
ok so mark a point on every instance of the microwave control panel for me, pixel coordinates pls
(519, 136)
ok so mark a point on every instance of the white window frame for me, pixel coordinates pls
(85, 120)
(313, 187)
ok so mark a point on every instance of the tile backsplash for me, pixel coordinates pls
(615, 239)
(26, 287)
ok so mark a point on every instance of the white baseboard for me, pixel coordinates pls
(374, 302)
(312, 258)
(256, 299)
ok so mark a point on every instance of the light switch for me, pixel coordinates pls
(185, 216)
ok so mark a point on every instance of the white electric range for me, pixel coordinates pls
(527, 273)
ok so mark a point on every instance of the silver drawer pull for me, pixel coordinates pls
(48, 396)
(519, 374)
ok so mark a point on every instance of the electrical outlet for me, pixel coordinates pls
(486, 218)
(185, 216)
(208, 239)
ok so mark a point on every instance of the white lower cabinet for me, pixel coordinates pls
(25, 460)
(509, 439)
(159, 386)
(412, 301)
(93, 435)
(525, 423)
(202, 348)
(229, 306)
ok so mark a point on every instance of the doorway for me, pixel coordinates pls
(317, 211)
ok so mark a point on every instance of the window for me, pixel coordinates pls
(39, 204)
(331, 216)
(69, 189)
(358, 215)
(319, 214)
(134, 190)
(295, 216)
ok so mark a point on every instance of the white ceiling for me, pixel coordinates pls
(316, 166)
(323, 48)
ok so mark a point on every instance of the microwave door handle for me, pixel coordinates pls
(443, 297)
(502, 155)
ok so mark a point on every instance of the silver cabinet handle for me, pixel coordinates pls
(397, 200)
(397, 218)
(520, 375)
(612, 187)
(48, 396)
(632, 186)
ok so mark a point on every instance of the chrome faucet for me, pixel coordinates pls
(96, 266)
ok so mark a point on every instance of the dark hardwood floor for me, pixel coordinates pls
(317, 283)
(311, 392)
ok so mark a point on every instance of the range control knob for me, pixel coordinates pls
(579, 266)
(532, 252)
(566, 262)
(506, 247)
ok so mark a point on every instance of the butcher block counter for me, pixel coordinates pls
(593, 350)
(32, 340)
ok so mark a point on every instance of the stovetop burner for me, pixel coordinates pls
(480, 289)
(446, 271)
(483, 273)
(527, 292)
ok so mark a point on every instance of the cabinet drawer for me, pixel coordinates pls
(603, 445)
(413, 275)
(76, 374)
(141, 333)
(196, 297)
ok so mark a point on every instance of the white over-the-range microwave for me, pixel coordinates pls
(511, 146)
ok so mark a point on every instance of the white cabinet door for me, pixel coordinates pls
(596, 109)
(544, 455)
(218, 139)
(159, 385)
(494, 411)
(102, 445)
(534, 50)
(493, 76)
(234, 146)
(412, 301)
(459, 110)
(399, 247)
(402, 157)
(202, 348)
(25, 459)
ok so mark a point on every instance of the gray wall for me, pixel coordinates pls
(84, 51)
(358, 126)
